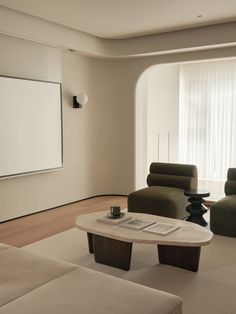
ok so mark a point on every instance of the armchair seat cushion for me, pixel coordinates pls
(159, 200)
(223, 216)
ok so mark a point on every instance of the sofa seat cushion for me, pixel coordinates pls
(87, 292)
(159, 200)
(21, 271)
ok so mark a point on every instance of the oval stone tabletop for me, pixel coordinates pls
(188, 234)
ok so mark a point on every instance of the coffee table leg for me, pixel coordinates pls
(112, 252)
(180, 256)
(90, 242)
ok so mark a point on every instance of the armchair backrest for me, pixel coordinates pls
(230, 184)
(173, 175)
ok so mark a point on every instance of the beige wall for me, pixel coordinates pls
(158, 103)
(99, 140)
(163, 113)
(97, 151)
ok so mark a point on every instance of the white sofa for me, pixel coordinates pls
(33, 284)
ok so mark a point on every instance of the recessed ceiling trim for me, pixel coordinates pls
(27, 27)
(114, 19)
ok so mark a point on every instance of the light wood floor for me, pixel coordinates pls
(25, 230)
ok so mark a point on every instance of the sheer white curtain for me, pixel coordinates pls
(207, 117)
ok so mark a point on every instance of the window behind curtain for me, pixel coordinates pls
(207, 116)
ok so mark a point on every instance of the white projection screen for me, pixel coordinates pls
(30, 126)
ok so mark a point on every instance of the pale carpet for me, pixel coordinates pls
(212, 290)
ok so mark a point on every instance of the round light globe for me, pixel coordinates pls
(82, 99)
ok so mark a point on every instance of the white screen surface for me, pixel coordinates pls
(30, 126)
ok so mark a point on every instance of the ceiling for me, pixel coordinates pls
(128, 18)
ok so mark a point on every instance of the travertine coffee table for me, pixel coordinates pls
(112, 244)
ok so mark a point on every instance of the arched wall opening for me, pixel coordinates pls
(159, 121)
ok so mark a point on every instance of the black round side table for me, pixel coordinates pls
(196, 208)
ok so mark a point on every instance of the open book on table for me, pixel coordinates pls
(136, 224)
(161, 228)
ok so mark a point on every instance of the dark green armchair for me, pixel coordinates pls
(223, 212)
(164, 195)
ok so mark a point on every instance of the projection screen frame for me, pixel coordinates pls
(61, 133)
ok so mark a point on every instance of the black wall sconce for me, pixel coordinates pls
(79, 101)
